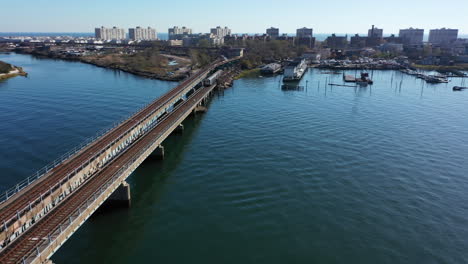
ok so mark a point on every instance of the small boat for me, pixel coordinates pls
(459, 88)
(436, 79)
(364, 80)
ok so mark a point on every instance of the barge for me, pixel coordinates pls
(295, 70)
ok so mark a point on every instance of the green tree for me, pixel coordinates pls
(204, 43)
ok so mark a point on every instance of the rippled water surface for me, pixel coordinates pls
(319, 175)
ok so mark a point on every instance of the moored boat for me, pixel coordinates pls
(295, 70)
(436, 79)
(459, 88)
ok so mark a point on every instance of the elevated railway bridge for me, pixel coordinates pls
(39, 214)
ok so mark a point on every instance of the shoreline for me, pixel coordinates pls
(463, 67)
(144, 74)
(17, 71)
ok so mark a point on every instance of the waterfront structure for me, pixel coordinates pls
(375, 32)
(443, 35)
(178, 33)
(113, 33)
(139, 33)
(273, 32)
(412, 36)
(56, 201)
(220, 32)
(271, 68)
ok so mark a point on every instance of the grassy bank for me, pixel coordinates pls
(147, 63)
(6, 68)
(248, 73)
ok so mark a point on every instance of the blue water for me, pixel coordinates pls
(318, 175)
(58, 106)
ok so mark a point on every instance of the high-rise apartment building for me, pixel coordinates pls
(375, 32)
(178, 33)
(443, 35)
(304, 32)
(140, 33)
(304, 37)
(220, 32)
(412, 36)
(273, 32)
(114, 33)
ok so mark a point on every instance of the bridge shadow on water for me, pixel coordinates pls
(148, 184)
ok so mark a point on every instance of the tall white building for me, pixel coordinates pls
(443, 35)
(304, 32)
(412, 36)
(375, 32)
(139, 33)
(220, 32)
(177, 32)
(114, 33)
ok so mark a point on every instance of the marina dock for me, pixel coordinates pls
(349, 78)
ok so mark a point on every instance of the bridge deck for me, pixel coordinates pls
(21, 200)
(40, 233)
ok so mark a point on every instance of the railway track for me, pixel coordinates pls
(28, 243)
(18, 204)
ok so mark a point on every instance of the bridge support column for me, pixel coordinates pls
(179, 129)
(121, 196)
(158, 153)
(199, 108)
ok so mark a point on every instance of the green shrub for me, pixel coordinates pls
(5, 67)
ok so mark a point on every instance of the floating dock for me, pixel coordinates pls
(349, 78)
(342, 85)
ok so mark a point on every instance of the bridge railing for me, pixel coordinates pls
(21, 212)
(29, 180)
(67, 227)
(41, 172)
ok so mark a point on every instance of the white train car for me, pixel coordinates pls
(212, 79)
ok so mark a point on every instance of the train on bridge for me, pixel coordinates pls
(39, 214)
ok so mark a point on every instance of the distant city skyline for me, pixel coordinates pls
(341, 17)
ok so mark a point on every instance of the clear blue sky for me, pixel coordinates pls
(246, 16)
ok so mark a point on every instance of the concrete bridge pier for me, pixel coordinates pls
(199, 108)
(158, 153)
(179, 129)
(121, 196)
